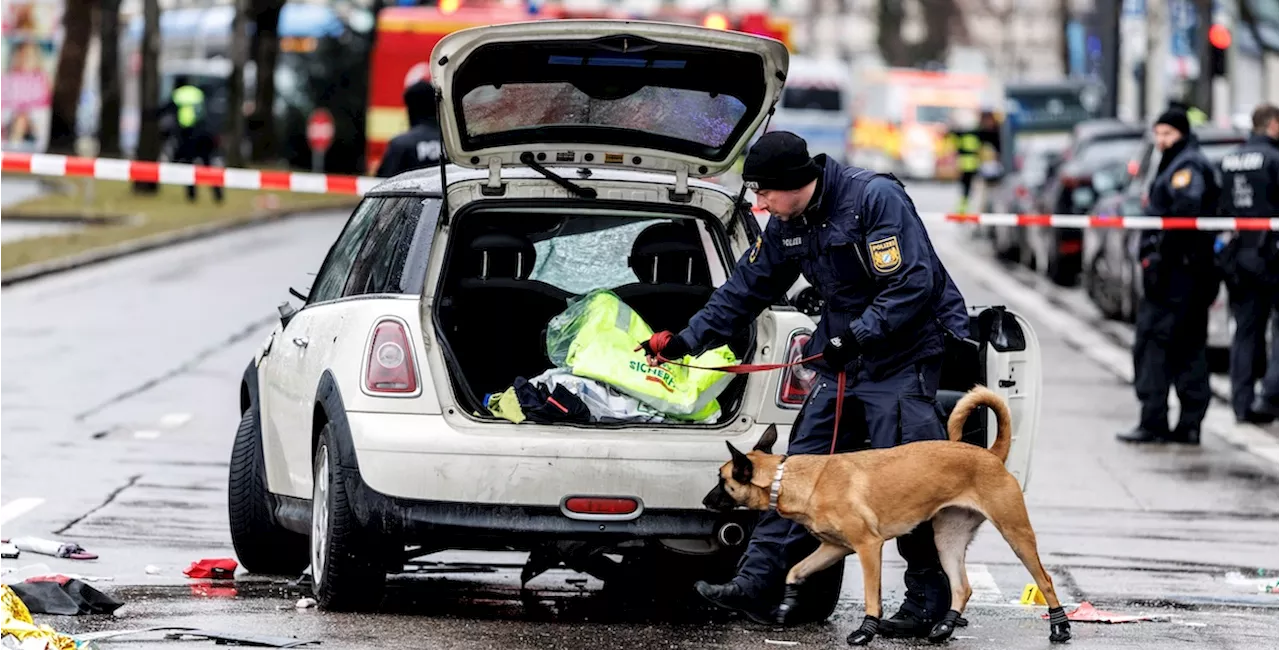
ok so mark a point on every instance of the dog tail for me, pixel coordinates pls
(983, 396)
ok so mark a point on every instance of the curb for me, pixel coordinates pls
(151, 242)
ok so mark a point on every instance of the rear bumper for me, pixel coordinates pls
(416, 476)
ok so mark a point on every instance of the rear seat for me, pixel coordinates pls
(500, 314)
(674, 281)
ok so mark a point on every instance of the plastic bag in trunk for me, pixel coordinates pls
(596, 338)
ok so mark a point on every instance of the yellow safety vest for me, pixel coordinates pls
(967, 151)
(190, 102)
(596, 338)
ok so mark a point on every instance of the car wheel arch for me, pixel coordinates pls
(330, 411)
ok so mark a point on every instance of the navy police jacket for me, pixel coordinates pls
(1179, 268)
(865, 250)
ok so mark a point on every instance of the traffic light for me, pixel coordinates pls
(1219, 41)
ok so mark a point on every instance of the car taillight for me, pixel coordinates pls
(1020, 191)
(797, 381)
(390, 365)
(601, 505)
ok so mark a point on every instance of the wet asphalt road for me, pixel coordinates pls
(119, 402)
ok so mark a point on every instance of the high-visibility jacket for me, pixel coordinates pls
(596, 338)
(190, 102)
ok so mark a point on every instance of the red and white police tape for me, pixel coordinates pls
(109, 169)
(284, 181)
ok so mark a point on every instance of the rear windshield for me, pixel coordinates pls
(1102, 152)
(616, 91)
(670, 112)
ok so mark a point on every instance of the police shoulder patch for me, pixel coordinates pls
(886, 256)
(755, 250)
(1181, 179)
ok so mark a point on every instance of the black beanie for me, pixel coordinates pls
(779, 161)
(1177, 119)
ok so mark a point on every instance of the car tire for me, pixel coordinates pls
(261, 545)
(348, 573)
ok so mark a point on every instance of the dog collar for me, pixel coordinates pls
(776, 486)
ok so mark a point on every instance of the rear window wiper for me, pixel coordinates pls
(574, 188)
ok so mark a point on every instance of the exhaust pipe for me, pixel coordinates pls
(731, 534)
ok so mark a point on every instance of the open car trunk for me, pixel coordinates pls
(509, 270)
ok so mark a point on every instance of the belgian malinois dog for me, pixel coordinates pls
(855, 502)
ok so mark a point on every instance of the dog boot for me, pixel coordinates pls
(732, 596)
(1059, 626)
(863, 635)
(943, 629)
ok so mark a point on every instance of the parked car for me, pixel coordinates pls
(1111, 275)
(365, 438)
(1055, 252)
(1017, 191)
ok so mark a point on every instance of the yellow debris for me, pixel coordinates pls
(17, 623)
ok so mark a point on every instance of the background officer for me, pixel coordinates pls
(419, 146)
(969, 144)
(888, 306)
(195, 140)
(1180, 280)
(1249, 189)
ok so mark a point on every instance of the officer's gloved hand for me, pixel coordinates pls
(663, 346)
(840, 350)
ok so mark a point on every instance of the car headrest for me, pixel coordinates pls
(669, 253)
(501, 255)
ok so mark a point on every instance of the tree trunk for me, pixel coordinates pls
(938, 18)
(109, 80)
(263, 122)
(235, 91)
(889, 17)
(77, 20)
(149, 102)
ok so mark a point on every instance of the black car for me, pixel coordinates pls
(1095, 144)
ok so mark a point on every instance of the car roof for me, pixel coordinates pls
(427, 180)
(1106, 127)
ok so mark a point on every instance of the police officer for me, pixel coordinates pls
(889, 304)
(1249, 189)
(1180, 280)
(419, 146)
(969, 145)
(195, 139)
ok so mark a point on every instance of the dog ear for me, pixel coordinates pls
(767, 439)
(742, 467)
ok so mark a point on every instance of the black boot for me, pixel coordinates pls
(906, 625)
(1186, 436)
(732, 596)
(1140, 435)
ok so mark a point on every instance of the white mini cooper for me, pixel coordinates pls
(575, 149)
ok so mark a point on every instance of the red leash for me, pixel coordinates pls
(747, 368)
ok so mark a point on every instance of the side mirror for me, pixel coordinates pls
(287, 313)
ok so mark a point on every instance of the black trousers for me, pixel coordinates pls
(193, 148)
(1169, 351)
(1251, 307)
(966, 183)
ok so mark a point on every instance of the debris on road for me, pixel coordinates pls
(1263, 583)
(8, 551)
(17, 629)
(64, 596)
(151, 570)
(305, 603)
(69, 550)
(173, 633)
(777, 642)
(1087, 613)
(212, 568)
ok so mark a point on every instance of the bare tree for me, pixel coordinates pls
(77, 20)
(889, 17)
(235, 91)
(149, 102)
(1064, 21)
(266, 16)
(1202, 91)
(942, 19)
(109, 79)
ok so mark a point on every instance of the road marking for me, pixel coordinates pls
(1096, 345)
(146, 435)
(17, 508)
(175, 420)
(983, 584)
